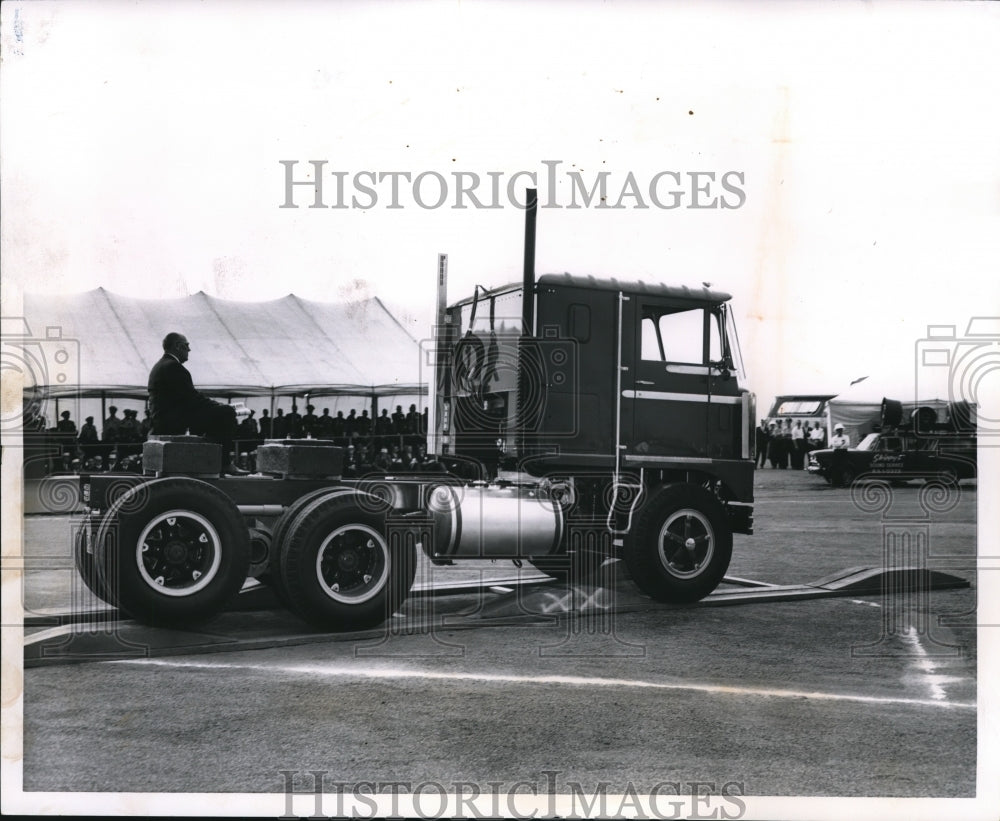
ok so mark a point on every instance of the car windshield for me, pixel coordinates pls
(798, 406)
(868, 443)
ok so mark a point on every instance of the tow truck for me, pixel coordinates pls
(573, 419)
(905, 448)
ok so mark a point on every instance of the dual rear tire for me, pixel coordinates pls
(174, 552)
(341, 567)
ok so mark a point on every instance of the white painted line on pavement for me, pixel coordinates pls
(572, 681)
(923, 663)
(927, 668)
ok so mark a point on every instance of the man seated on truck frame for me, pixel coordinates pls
(177, 408)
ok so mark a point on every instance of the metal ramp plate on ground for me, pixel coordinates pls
(257, 622)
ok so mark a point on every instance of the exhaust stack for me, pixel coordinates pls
(528, 301)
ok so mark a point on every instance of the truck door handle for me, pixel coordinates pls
(644, 382)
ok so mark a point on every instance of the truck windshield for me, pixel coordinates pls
(732, 339)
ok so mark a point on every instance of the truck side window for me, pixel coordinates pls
(651, 350)
(679, 336)
(683, 335)
(672, 335)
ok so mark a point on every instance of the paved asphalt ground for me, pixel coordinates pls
(853, 696)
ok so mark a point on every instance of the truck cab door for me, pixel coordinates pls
(679, 399)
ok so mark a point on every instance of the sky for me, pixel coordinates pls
(142, 148)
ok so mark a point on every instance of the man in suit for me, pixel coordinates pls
(279, 425)
(88, 441)
(129, 435)
(324, 425)
(176, 407)
(762, 437)
(399, 421)
(109, 436)
(339, 428)
(293, 419)
(264, 426)
(310, 423)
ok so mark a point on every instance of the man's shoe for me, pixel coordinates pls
(234, 470)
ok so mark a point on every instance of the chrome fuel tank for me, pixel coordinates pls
(492, 522)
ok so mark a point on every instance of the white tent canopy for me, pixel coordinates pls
(283, 347)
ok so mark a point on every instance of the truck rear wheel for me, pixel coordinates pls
(340, 568)
(272, 578)
(85, 557)
(680, 546)
(172, 552)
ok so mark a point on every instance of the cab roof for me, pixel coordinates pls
(634, 286)
(629, 286)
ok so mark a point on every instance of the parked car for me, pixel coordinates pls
(898, 457)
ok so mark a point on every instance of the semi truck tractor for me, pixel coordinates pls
(573, 420)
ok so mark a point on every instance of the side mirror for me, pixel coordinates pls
(723, 366)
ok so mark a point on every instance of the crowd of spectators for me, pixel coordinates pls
(387, 443)
(394, 441)
(118, 444)
(786, 444)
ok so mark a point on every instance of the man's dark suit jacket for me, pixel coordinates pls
(174, 404)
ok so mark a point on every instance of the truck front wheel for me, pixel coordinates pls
(680, 546)
(340, 567)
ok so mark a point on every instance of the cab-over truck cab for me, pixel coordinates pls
(626, 398)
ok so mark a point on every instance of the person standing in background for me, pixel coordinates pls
(798, 446)
(279, 425)
(840, 440)
(265, 424)
(88, 441)
(293, 423)
(761, 438)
